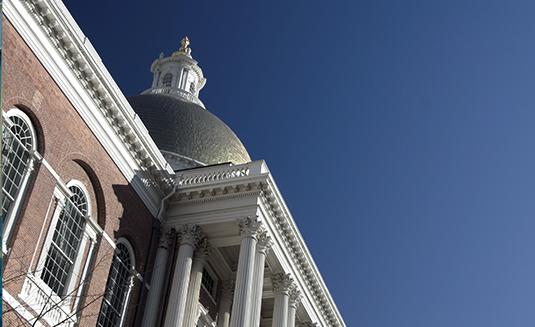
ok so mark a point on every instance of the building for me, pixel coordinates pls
(142, 211)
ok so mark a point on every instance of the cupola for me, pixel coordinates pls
(178, 75)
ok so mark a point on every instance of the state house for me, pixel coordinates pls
(136, 211)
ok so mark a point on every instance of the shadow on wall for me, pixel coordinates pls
(141, 229)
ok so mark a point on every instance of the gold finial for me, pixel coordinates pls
(184, 46)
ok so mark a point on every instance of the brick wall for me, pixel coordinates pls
(73, 151)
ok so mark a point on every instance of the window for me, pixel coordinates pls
(56, 285)
(118, 287)
(167, 80)
(208, 282)
(66, 242)
(184, 79)
(18, 143)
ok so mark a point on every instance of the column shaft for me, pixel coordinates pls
(291, 316)
(263, 245)
(152, 308)
(295, 298)
(225, 302)
(179, 286)
(242, 304)
(282, 283)
(191, 315)
(280, 310)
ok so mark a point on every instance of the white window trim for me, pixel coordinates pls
(36, 293)
(133, 274)
(132, 267)
(12, 214)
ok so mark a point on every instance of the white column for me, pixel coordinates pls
(295, 298)
(225, 302)
(189, 236)
(281, 288)
(152, 308)
(191, 315)
(263, 245)
(242, 304)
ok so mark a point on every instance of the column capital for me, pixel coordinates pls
(264, 242)
(189, 234)
(202, 250)
(250, 226)
(282, 283)
(167, 235)
(295, 296)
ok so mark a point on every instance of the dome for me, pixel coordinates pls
(189, 130)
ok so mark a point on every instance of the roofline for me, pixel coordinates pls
(67, 54)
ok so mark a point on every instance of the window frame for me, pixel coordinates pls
(50, 235)
(14, 209)
(35, 291)
(132, 272)
(164, 84)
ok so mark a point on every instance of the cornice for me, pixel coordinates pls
(66, 53)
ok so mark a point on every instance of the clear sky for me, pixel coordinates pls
(401, 134)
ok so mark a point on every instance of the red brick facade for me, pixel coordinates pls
(73, 151)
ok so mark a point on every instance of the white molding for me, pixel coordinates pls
(38, 296)
(14, 209)
(19, 308)
(68, 56)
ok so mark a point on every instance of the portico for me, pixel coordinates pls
(235, 219)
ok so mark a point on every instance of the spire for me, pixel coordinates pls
(178, 75)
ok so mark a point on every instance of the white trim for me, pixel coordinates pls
(19, 308)
(132, 272)
(16, 112)
(14, 209)
(35, 292)
(80, 185)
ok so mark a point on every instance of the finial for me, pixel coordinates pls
(184, 46)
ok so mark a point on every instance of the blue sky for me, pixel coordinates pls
(399, 132)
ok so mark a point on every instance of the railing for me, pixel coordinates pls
(174, 91)
(220, 173)
(50, 308)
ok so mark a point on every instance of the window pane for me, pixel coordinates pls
(65, 242)
(16, 145)
(116, 288)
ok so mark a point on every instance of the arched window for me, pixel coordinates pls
(18, 143)
(66, 240)
(167, 80)
(113, 307)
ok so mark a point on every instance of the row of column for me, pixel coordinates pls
(250, 281)
(244, 296)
